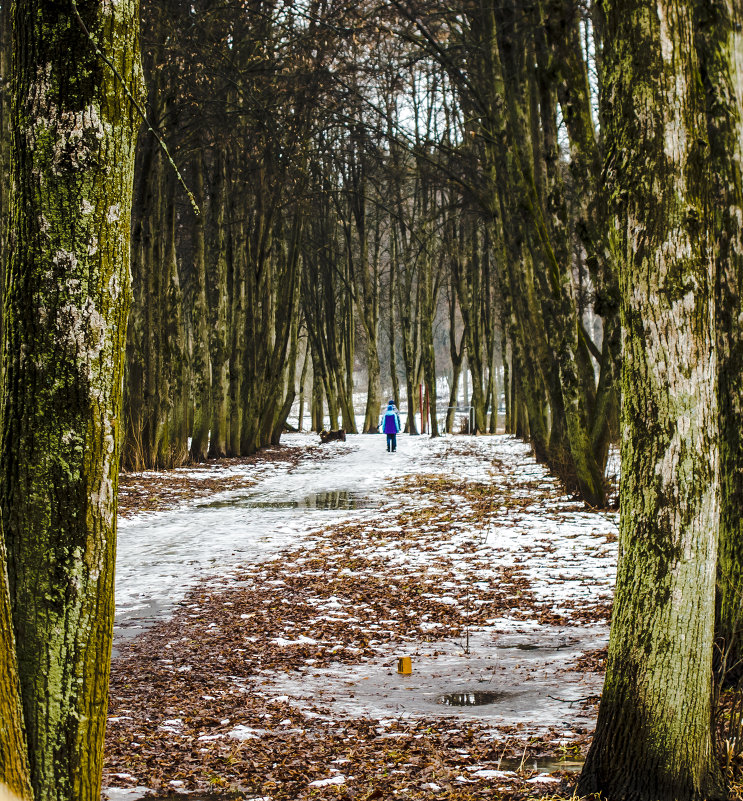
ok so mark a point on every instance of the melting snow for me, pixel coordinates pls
(327, 782)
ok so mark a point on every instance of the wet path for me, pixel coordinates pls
(460, 553)
(161, 555)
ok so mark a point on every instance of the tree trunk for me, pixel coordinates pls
(200, 366)
(653, 737)
(428, 350)
(394, 380)
(290, 383)
(174, 381)
(494, 395)
(506, 381)
(317, 405)
(719, 41)
(374, 378)
(349, 349)
(5, 55)
(14, 770)
(133, 447)
(302, 383)
(237, 340)
(68, 298)
(457, 356)
(219, 301)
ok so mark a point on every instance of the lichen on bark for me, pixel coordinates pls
(66, 304)
(653, 737)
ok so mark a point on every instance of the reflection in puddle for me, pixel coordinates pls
(546, 765)
(470, 698)
(191, 797)
(531, 646)
(340, 499)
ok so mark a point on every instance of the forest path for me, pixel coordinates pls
(162, 554)
(276, 673)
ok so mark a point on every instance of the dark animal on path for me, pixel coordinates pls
(329, 436)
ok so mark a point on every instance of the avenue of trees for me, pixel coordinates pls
(554, 184)
(361, 179)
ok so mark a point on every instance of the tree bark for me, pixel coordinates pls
(302, 383)
(394, 380)
(457, 357)
(4, 136)
(317, 404)
(68, 296)
(219, 305)
(200, 365)
(719, 44)
(653, 737)
(14, 770)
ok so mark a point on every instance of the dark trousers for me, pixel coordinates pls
(391, 442)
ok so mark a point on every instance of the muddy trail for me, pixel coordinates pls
(260, 623)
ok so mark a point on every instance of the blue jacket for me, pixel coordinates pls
(391, 421)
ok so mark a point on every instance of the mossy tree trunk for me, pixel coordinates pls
(172, 440)
(157, 382)
(456, 355)
(137, 452)
(200, 364)
(316, 407)
(14, 770)
(719, 43)
(365, 277)
(653, 737)
(239, 376)
(219, 306)
(4, 134)
(66, 308)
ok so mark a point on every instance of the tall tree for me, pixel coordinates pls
(719, 43)
(653, 737)
(4, 130)
(67, 297)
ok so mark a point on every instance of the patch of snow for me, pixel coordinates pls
(301, 640)
(543, 778)
(125, 793)
(245, 733)
(483, 773)
(340, 779)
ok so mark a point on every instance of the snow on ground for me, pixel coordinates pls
(294, 597)
(161, 555)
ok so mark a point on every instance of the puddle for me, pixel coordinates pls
(531, 646)
(325, 500)
(191, 797)
(470, 698)
(115, 794)
(573, 765)
(340, 499)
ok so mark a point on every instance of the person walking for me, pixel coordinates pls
(391, 426)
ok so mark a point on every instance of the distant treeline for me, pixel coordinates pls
(366, 188)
